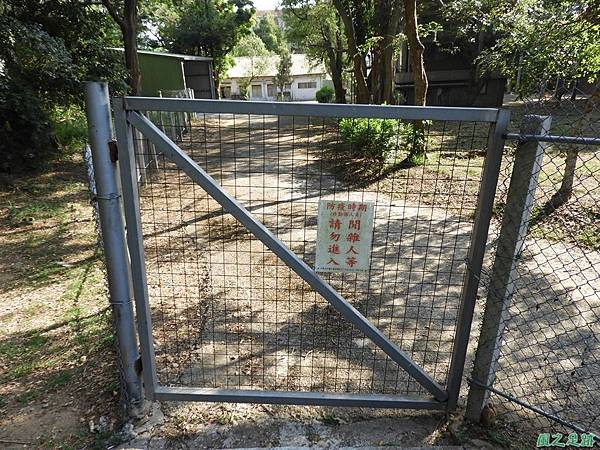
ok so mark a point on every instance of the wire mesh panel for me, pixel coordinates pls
(228, 313)
(550, 353)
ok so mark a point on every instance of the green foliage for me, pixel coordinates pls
(70, 126)
(34, 58)
(314, 28)
(268, 31)
(325, 94)
(54, 46)
(284, 72)
(210, 28)
(253, 48)
(543, 40)
(26, 137)
(375, 139)
(49, 49)
(250, 45)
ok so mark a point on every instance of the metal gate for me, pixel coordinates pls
(221, 229)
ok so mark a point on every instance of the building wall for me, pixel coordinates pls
(160, 73)
(299, 93)
(260, 90)
(452, 78)
(487, 93)
(198, 76)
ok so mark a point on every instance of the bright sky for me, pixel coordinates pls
(265, 4)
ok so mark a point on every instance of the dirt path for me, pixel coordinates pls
(229, 314)
(259, 326)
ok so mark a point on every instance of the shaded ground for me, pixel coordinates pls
(229, 314)
(249, 426)
(219, 294)
(57, 368)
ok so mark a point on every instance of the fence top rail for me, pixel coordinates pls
(311, 109)
(575, 140)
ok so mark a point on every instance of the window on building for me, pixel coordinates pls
(287, 87)
(307, 85)
(225, 91)
(271, 90)
(257, 90)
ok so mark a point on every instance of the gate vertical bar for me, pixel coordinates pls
(521, 192)
(485, 203)
(129, 184)
(115, 250)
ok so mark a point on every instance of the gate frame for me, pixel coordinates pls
(127, 116)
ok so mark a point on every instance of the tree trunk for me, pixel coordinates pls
(128, 25)
(388, 13)
(565, 192)
(132, 63)
(388, 73)
(416, 49)
(358, 60)
(375, 74)
(217, 84)
(574, 90)
(335, 60)
(130, 20)
(336, 70)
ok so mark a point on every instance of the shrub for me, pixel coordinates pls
(70, 126)
(376, 139)
(26, 136)
(325, 94)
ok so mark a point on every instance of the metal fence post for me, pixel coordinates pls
(113, 234)
(521, 192)
(479, 235)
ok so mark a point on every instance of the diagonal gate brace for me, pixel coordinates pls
(232, 206)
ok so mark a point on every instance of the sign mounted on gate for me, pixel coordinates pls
(344, 235)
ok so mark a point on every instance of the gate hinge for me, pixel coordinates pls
(113, 151)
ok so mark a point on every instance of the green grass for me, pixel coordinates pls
(589, 236)
(330, 418)
(33, 310)
(77, 440)
(60, 378)
(38, 352)
(81, 275)
(25, 397)
(23, 355)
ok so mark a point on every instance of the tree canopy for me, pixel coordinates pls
(210, 28)
(53, 46)
(284, 72)
(533, 40)
(268, 31)
(250, 45)
(49, 49)
(316, 29)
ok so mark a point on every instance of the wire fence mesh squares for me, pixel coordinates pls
(228, 313)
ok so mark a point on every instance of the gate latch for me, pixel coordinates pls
(113, 151)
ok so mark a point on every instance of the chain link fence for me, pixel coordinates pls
(548, 372)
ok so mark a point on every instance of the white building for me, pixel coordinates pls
(307, 78)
